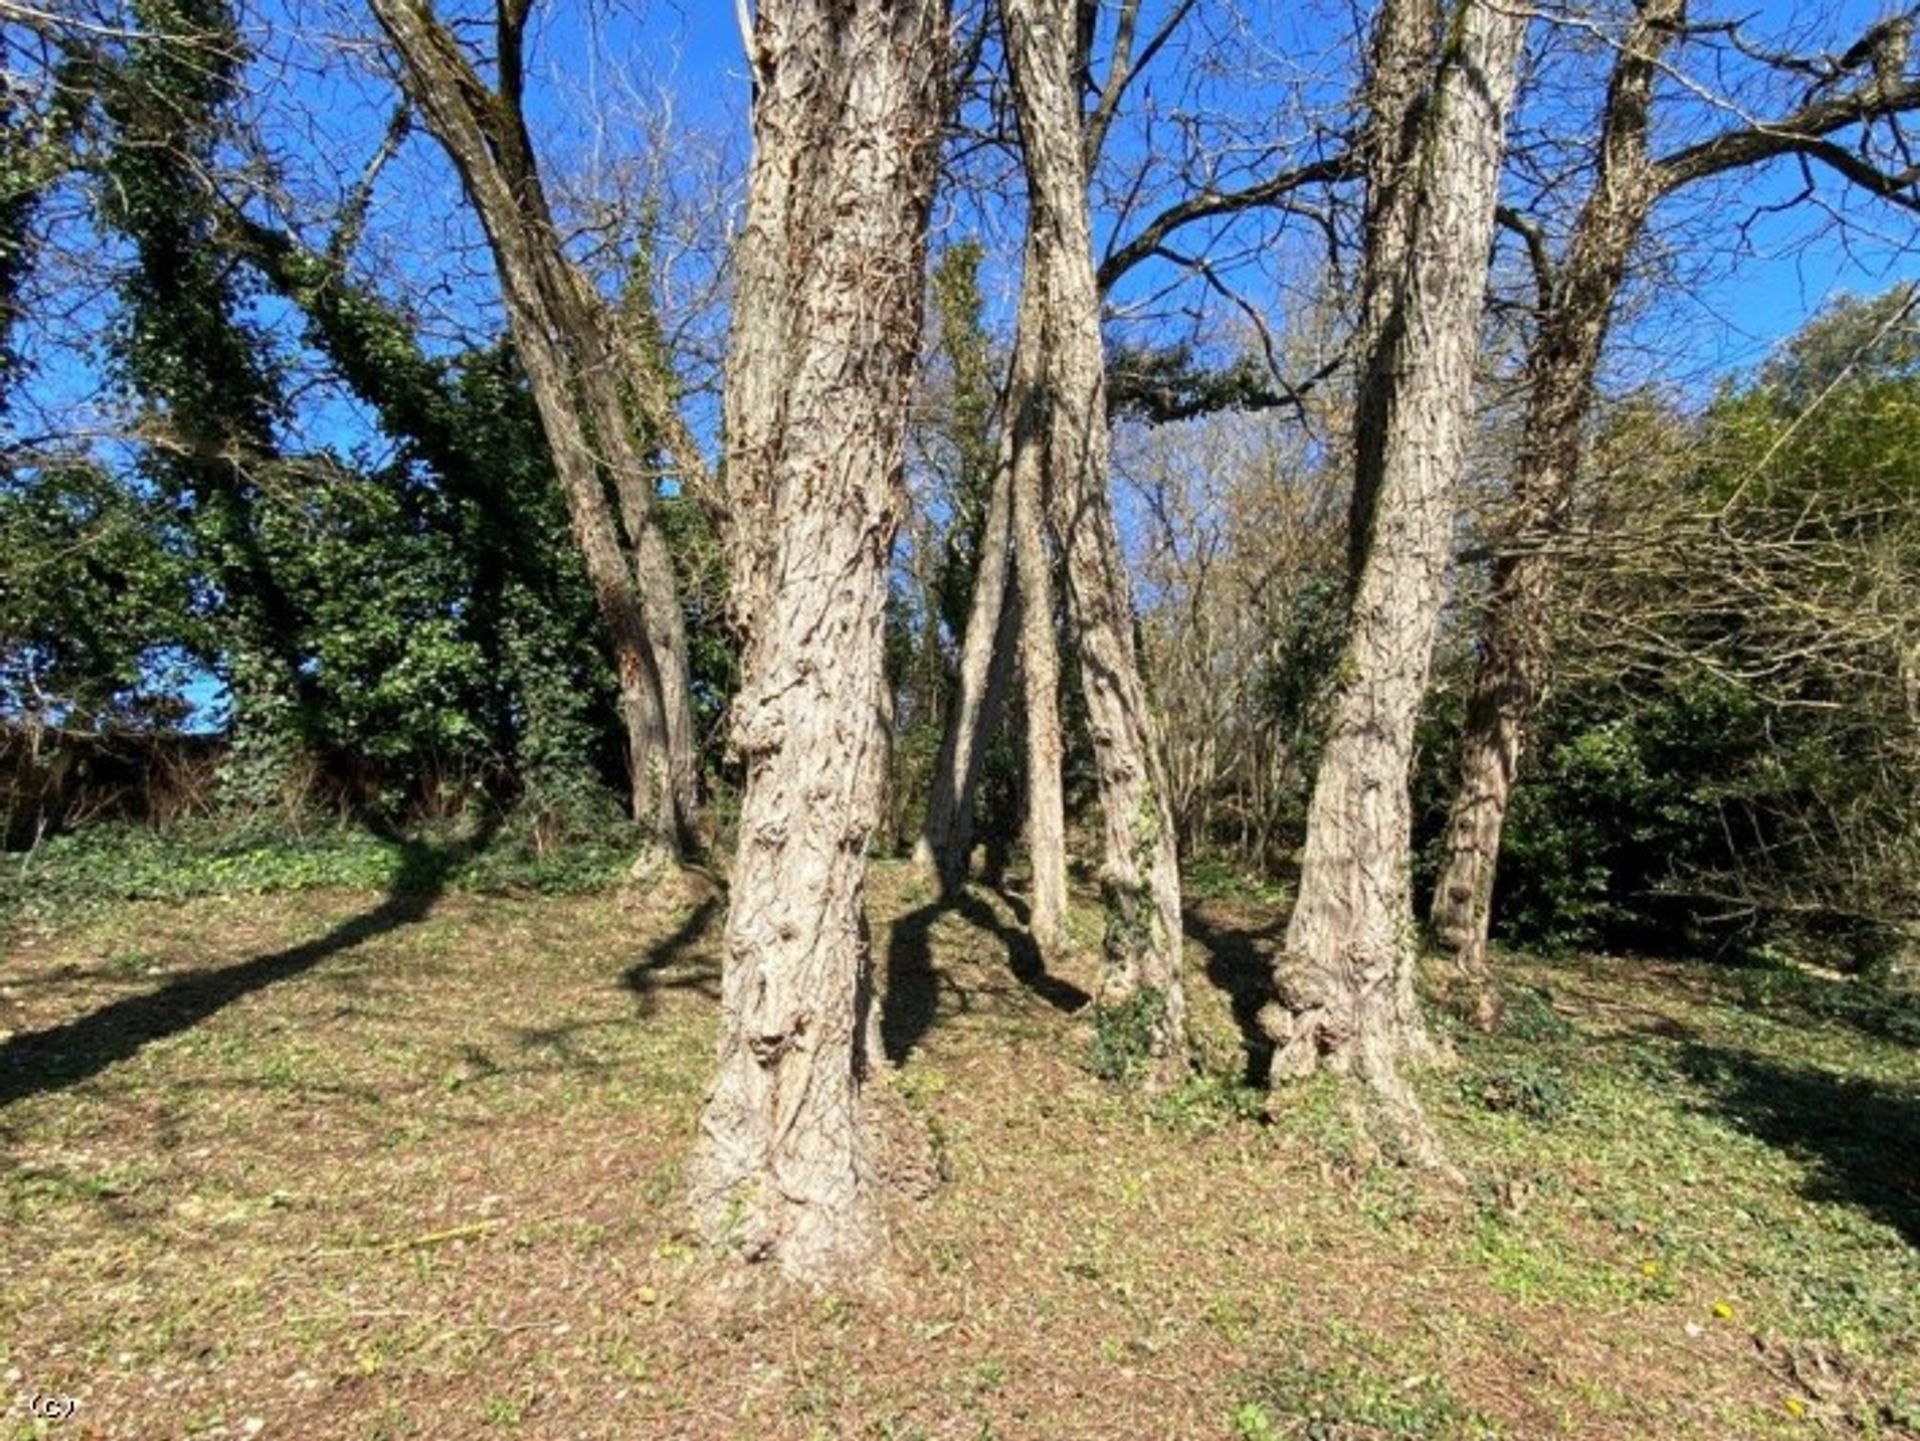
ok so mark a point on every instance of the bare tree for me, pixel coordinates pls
(1578, 295)
(597, 394)
(1344, 979)
(1058, 419)
(826, 327)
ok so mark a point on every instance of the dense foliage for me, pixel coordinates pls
(1732, 755)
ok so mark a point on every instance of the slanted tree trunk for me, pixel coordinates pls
(1577, 306)
(1399, 88)
(1515, 638)
(566, 343)
(1063, 405)
(1343, 983)
(826, 324)
(986, 656)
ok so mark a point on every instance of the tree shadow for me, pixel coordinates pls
(1859, 1138)
(646, 978)
(1882, 1012)
(1240, 964)
(912, 999)
(40, 1062)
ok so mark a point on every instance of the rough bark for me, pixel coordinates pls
(1065, 403)
(826, 322)
(1577, 307)
(1399, 86)
(564, 339)
(1515, 629)
(945, 846)
(1039, 641)
(1343, 982)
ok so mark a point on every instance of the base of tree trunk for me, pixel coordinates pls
(837, 1241)
(1369, 1034)
(1469, 988)
(660, 885)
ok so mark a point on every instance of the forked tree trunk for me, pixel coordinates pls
(826, 323)
(1343, 982)
(986, 654)
(1516, 629)
(1140, 876)
(564, 339)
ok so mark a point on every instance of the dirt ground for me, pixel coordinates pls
(326, 1165)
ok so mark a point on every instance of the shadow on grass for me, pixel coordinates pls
(1860, 1139)
(1240, 964)
(913, 987)
(39, 1062)
(646, 978)
(1871, 1010)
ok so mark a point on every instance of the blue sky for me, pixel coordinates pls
(618, 90)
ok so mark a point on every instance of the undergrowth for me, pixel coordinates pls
(102, 866)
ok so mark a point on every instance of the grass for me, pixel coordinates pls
(337, 1163)
(98, 867)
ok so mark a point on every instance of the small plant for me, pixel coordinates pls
(1209, 1102)
(1534, 1089)
(1531, 1018)
(1124, 1035)
(1252, 1422)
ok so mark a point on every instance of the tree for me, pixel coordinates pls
(976, 590)
(602, 402)
(520, 592)
(847, 118)
(198, 369)
(1730, 755)
(1578, 296)
(1058, 414)
(1343, 983)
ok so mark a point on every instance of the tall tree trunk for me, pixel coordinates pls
(1140, 876)
(1515, 640)
(826, 324)
(986, 655)
(1027, 421)
(1401, 56)
(1343, 983)
(566, 342)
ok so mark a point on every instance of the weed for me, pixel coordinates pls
(1207, 1102)
(1335, 1402)
(1124, 1034)
(1252, 1422)
(1535, 1089)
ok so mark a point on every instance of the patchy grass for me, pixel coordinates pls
(329, 1164)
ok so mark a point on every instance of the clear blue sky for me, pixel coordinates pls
(1728, 315)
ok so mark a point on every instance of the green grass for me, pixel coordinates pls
(96, 868)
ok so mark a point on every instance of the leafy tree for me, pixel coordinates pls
(1735, 745)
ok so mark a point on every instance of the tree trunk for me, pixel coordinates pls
(826, 324)
(567, 346)
(1516, 629)
(1039, 641)
(1507, 687)
(1140, 877)
(1399, 88)
(986, 654)
(1343, 983)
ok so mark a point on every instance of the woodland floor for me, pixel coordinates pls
(329, 1165)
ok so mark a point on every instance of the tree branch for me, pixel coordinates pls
(1807, 131)
(1210, 203)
